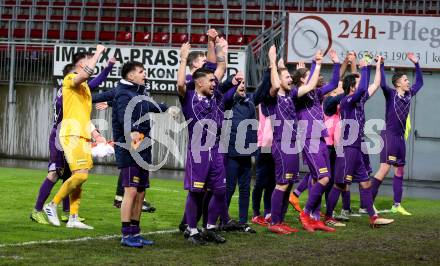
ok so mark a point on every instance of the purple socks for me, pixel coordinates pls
(44, 193)
(314, 199)
(367, 200)
(375, 184)
(191, 209)
(397, 189)
(346, 200)
(217, 207)
(332, 200)
(277, 205)
(302, 186)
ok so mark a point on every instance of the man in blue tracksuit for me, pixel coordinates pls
(240, 151)
(131, 133)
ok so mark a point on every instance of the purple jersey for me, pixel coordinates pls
(352, 107)
(196, 107)
(397, 107)
(282, 109)
(309, 108)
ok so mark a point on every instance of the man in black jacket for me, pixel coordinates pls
(243, 135)
(131, 130)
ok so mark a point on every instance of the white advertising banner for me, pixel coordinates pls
(161, 64)
(389, 36)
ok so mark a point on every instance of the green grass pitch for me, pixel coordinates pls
(409, 241)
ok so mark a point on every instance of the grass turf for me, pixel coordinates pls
(410, 240)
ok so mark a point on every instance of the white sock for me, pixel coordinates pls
(210, 226)
(267, 216)
(192, 231)
(118, 198)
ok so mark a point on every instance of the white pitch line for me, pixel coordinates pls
(82, 239)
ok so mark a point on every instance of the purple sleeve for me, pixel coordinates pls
(419, 80)
(312, 69)
(211, 66)
(294, 94)
(383, 82)
(228, 97)
(362, 88)
(333, 84)
(94, 83)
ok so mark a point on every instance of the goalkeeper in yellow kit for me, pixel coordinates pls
(74, 136)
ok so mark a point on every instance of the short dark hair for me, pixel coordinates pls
(298, 75)
(192, 56)
(396, 78)
(201, 72)
(80, 55)
(349, 82)
(130, 66)
(67, 69)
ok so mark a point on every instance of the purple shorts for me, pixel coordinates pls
(286, 165)
(351, 167)
(209, 174)
(317, 158)
(57, 161)
(394, 149)
(134, 176)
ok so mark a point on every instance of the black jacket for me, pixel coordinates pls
(124, 93)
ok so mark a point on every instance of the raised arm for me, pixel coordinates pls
(353, 62)
(221, 53)
(94, 83)
(274, 77)
(377, 77)
(264, 89)
(343, 67)
(418, 84)
(311, 85)
(211, 55)
(363, 84)
(181, 73)
(85, 73)
(333, 84)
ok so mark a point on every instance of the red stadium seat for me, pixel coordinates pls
(143, 37)
(161, 37)
(71, 35)
(235, 39)
(3, 33)
(123, 36)
(88, 35)
(198, 38)
(179, 38)
(53, 34)
(36, 33)
(19, 33)
(249, 38)
(106, 36)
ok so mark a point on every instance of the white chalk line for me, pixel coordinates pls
(82, 239)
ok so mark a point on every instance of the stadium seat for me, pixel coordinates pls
(3, 33)
(36, 33)
(198, 38)
(249, 38)
(143, 37)
(106, 36)
(179, 38)
(53, 34)
(19, 33)
(88, 35)
(235, 39)
(161, 37)
(123, 36)
(71, 35)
